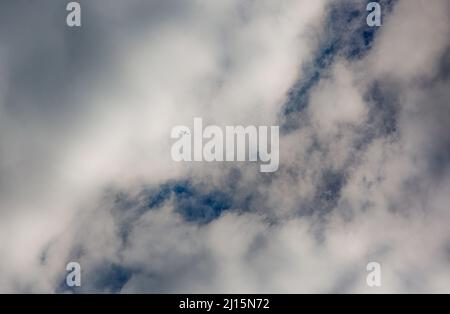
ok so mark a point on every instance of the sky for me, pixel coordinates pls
(85, 168)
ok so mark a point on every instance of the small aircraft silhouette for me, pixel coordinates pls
(185, 133)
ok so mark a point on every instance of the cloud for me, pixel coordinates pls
(86, 174)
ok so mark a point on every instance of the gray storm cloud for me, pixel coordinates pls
(85, 167)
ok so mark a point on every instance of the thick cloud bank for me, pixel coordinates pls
(85, 167)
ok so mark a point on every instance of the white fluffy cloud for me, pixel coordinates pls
(346, 193)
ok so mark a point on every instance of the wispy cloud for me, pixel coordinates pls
(86, 172)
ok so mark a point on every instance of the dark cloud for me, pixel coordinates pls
(84, 167)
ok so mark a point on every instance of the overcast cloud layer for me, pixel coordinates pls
(85, 167)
